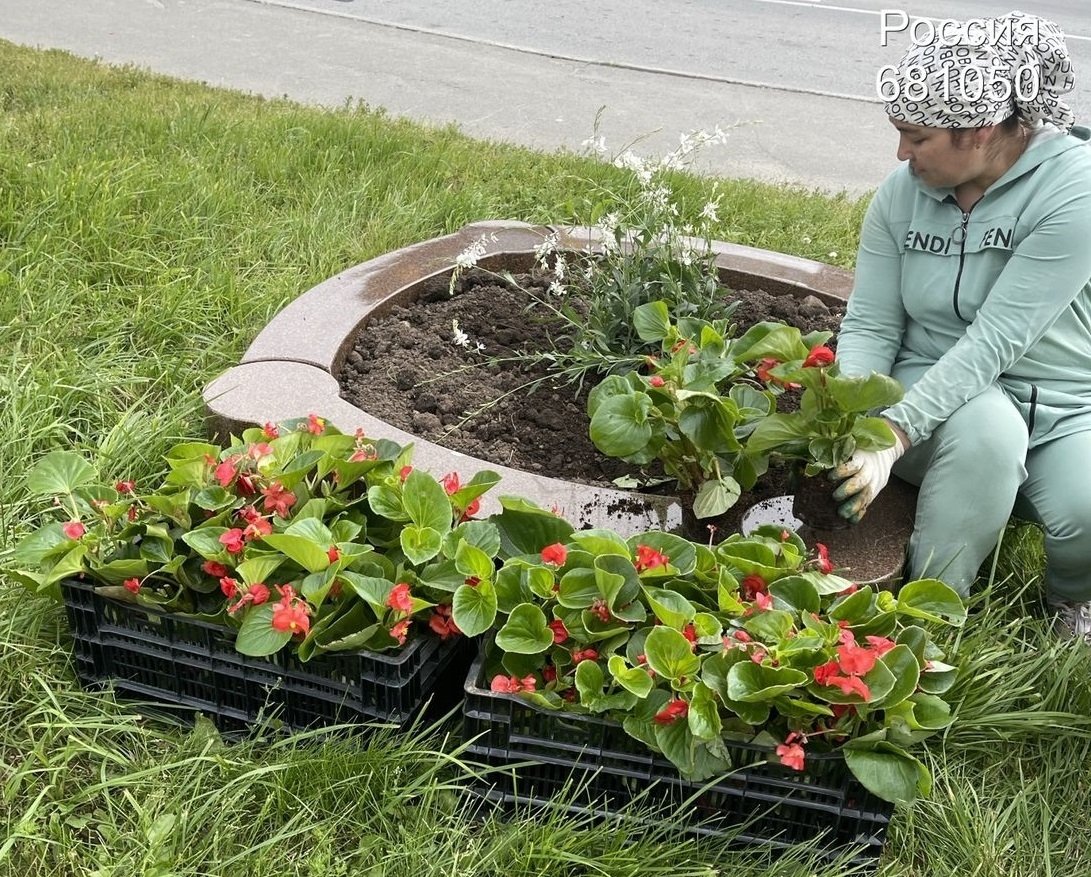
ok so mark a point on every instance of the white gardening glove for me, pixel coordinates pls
(863, 475)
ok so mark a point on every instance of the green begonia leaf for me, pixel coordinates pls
(796, 594)
(887, 771)
(670, 654)
(526, 528)
(387, 502)
(420, 544)
(621, 425)
(677, 743)
(748, 682)
(600, 542)
(373, 590)
(472, 561)
(578, 589)
(301, 549)
(59, 473)
(715, 496)
(634, 679)
(589, 680)
(526, 631)
(670, 607)
(257, 637)
(481, 534)
(474, 609)
(906, 672)
(931, 600)
(206, 541)
(651, 321)
(704, 714)
(937, 678)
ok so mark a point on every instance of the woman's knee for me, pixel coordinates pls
(983, 442)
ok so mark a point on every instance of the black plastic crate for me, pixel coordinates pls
(538, 753)
(153, 655)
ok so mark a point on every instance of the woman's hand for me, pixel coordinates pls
(865, 474)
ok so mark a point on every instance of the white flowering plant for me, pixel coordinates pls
(650, 246)
(652, 249)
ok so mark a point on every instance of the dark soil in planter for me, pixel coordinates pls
(405, 369)
(814, 503)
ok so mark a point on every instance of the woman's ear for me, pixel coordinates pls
(982, 137)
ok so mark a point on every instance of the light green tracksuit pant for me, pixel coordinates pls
(974, 471)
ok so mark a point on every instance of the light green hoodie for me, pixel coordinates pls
(951, 302)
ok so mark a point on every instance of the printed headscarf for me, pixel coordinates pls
(990, 69)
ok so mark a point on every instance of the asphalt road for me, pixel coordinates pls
(795, 78)
(787, 44)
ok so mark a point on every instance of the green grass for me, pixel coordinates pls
(148, 230)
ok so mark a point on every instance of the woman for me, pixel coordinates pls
(973, 288)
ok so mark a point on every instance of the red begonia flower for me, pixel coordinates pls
(676, 709)
(880, 644)
(600, 610)
(257, 528)
(315, 424)
(819, 357)
(555, 554)
(400, 631)
(855, 660)
(451, 482)
(278, 500)
(131, 585)
(214, 569)
(125, 486)
(648, 558)
(399, 598)
(825, 565)
(504, 684)
(74, 529)
(270, 430)
(233, 540)
(824, 673)
(225, 472)
(560, 632)
(762, 369)
(656, 380)
(229, 587)
(333, 554)
(291, 617)
(851, 685)
(791, 755)
(751, 585)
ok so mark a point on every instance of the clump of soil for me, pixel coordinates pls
(496, 405)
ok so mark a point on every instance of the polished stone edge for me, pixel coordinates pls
(317, 327)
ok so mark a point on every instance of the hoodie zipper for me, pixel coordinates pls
(961, 257)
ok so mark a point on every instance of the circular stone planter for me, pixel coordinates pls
(291, 370)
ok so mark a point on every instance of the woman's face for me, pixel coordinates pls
(935, 158)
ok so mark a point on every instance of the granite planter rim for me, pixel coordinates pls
(291, 368)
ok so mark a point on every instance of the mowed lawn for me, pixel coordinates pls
(148, 230)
